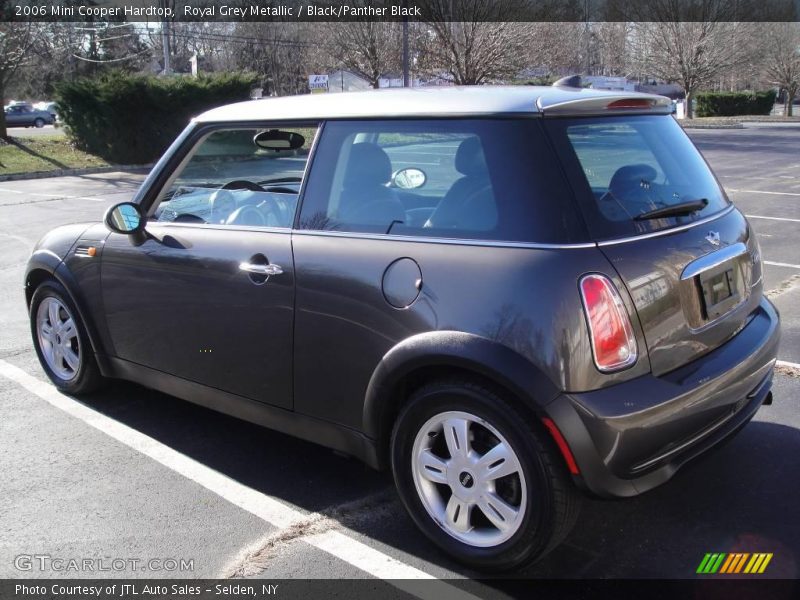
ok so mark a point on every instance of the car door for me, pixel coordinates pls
(14, 116)
(207, 293)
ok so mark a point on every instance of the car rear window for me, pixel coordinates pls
(486, 179)
(626, 168)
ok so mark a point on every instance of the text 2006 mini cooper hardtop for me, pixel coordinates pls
(505, 295)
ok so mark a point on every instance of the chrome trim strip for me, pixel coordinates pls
(438, 240)
(714, 259)
(669, 231)
(218, 227)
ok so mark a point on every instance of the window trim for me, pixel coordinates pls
(580, 223)
(189, 141)
(442, 240)
(579, 184)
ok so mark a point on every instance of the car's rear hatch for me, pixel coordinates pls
(686, 255)
(693, 289)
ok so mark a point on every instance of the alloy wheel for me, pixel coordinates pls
(58, 338)
(469, 479)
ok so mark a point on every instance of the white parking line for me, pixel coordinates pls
(101, 198)
(272, 511)
(780, 264)
(763, 192)
(774, 218)
(788, 365)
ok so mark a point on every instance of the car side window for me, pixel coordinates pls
(447, 178)
(246, 177)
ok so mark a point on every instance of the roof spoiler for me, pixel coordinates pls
(573, 81)
(586, 103)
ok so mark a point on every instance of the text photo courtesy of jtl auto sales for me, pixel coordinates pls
(420, 299)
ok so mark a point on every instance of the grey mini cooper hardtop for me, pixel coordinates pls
(507, 296)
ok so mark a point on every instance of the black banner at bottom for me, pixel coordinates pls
(714, 588)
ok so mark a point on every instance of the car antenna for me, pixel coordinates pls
(573, 81)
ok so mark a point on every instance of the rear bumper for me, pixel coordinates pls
(631, 437)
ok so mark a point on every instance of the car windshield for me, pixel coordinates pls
(636, 174)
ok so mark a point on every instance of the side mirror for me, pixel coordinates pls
(125, 218)
(409, 178)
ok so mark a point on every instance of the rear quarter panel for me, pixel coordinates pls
(522, 298)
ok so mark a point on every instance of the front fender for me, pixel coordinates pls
(453, 349)
(49, 252)
(48, 261)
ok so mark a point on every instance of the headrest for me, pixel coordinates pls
(630, 174)
(368, 164)
(469, 157)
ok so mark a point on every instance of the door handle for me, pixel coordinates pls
(268, 270)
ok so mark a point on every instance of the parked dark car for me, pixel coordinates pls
(25, 115)
(507, 296)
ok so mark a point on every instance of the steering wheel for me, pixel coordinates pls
(246, 215)
(277, 189)
(265, 214)
(243, 184)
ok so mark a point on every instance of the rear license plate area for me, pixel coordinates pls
(719, 291)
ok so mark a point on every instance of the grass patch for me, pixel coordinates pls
(45, 153)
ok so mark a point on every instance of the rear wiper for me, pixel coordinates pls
(674, 210)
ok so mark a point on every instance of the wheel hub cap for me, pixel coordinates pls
(469, 479)
(58, 338)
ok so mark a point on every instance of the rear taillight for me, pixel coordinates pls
(613, 344)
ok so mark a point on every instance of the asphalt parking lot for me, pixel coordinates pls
(131, 473)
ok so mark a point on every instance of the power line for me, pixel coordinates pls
(110, 60)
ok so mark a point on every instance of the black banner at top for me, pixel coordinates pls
(397, 10)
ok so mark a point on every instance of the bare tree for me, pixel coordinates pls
(368, 49)
(282, 53)
(693, 53)
(15, 43)
(612, 48)
(473, 41)
(557, 46)
(782, 56)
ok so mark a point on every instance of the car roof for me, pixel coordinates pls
(437, 101)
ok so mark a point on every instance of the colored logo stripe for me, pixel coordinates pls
(734, 563)
(722, 562)
(758, 563)
(711, 563)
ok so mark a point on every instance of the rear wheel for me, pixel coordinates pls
(478, 478)
(61, 343)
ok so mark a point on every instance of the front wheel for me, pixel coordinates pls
(61, 342)
(38, 123)
(479, 478)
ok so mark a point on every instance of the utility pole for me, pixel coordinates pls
(165, 41)
(406, 78)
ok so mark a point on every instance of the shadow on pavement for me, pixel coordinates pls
(741, 497)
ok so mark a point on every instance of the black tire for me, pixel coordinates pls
(554, 502)
(87, 376)
(38, 123)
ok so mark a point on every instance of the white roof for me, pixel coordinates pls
(433, 101)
